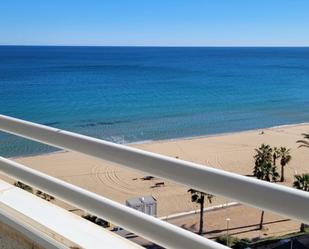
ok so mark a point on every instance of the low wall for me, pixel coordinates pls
(12, 239)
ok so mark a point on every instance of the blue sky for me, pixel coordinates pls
(155, 22)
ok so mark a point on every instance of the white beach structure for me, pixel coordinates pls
(145, 204)
(279, 199)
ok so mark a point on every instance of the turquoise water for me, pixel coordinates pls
(131, 94)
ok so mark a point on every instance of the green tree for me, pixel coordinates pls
(24, 186)
(233, 242)
(304, 142)
(302, 183)
(29, 189)
(44, 196)
(276, 155)
(266, 172)
(96, 220)
(199, 197)
(264, 153)
(264, 168)
(285, 158)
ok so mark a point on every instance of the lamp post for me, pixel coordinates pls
(227, 231)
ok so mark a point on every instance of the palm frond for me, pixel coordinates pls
(305, 135)
(303, 145)
(302, 141)
(301, 182)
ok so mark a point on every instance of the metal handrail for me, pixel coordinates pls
(267, 196)
(160, 232)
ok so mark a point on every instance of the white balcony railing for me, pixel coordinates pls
(279, 199)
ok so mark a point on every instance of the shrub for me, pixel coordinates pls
(233, 242)
(44, 196)
(96, 220)
(23, 186)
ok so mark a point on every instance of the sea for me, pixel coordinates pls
(135, 94)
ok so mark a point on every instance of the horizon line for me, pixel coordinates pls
(158, 46)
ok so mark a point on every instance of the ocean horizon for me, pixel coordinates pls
(134, 94)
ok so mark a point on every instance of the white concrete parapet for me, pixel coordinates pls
(51, 226)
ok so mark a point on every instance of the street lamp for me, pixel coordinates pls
(227, 231)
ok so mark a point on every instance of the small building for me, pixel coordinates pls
(145, 204)
(135, 203)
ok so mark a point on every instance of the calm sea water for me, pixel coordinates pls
(130, 94)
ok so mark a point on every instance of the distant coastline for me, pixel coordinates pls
(145, 142)
(148, 46)
(221, 134)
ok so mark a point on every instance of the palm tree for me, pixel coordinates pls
(199, 197)
(266, 172)
(302, 183)
(285, 159)
(264, 168)
(276, 155)
(263, 154)
(304, 143)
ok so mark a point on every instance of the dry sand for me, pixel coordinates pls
(244, 223)
(232, 152)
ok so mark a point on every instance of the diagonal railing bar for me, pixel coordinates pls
(267, 196)
(160, 232)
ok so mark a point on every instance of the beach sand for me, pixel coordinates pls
(231, 152)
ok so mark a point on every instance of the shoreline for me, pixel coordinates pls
(147, 142)
(217, 134)
(232, 152)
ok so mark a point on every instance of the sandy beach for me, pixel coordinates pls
(232, 152)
